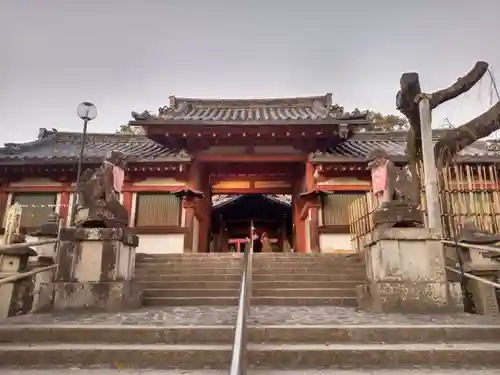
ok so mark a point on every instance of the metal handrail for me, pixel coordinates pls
(27, 244)
(238, 365)
(485, 248)
(22, 275)
(466, 275)
(471, 276)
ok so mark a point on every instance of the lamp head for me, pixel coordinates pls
(86, 111)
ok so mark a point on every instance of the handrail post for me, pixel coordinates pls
(480, 274)
(238, 356)
(468, 300)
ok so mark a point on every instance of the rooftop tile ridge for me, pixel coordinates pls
(245, 102)
(99, 137)
(16, 147)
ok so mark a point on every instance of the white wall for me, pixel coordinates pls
(333, 242)
(161, 243)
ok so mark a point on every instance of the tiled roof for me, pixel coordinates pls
(63, 147)
(287, 111)
(359, 146)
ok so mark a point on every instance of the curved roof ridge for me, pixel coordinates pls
(11, 147)
(61, 134)
(244, 102)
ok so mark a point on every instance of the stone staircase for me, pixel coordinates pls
(306, 279)
(271, 346)
(303, 316)
(189, 279)
(278, 279)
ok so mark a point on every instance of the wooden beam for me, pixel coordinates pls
(253, 158)
(280, 190)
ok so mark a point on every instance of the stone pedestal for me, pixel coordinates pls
(405, 271)
(95, 271)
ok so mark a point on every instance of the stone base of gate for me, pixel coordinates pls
(95, 271)
(405, 272)
(99, 296)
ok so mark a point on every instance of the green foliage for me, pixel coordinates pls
(127, 129)
(388, 122)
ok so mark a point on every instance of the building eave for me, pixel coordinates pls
(198, 123)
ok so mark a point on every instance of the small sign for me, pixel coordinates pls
(12, 223)
(379, 179)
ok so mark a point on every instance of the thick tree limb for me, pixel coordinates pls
(409, 96)
(455, 140)
(462, 85)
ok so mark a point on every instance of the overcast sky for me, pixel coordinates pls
(126, 55)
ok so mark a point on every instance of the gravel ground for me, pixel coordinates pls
(210, 372)
(268, 315)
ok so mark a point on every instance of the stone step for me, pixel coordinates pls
(153, 260)
(300, 270)
(296, 293)
(308, 265)
(260, 257)
(239, 263)
(186, 277)
(211, 264)
(281, 356)
(304, 292)
(256, 278)
(190, 270)
(141, 256)
(203, 284)
(307, 277)
(202, 300)
(223, 334)
(139, 271)
(310, 277)
(304, 301)
(153, 293)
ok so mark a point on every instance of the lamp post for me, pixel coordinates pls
(87, 112)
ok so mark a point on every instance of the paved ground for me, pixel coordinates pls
(269, 315)
(209, 372)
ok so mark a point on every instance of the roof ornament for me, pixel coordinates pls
(320, 109)
(336, 109)
(493, 145)
(144, 115)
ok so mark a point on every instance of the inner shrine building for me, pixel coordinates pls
(290, 165)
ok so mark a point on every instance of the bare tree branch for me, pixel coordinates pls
(409, 96)
(462, 85)
(455, 140)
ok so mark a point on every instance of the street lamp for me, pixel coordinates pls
(87, 112)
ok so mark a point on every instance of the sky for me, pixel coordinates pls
(126, 55)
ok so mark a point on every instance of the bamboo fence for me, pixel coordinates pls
(465, 191)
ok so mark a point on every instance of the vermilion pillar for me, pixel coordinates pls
(313, 209)
(298, 223)
(64, 208)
